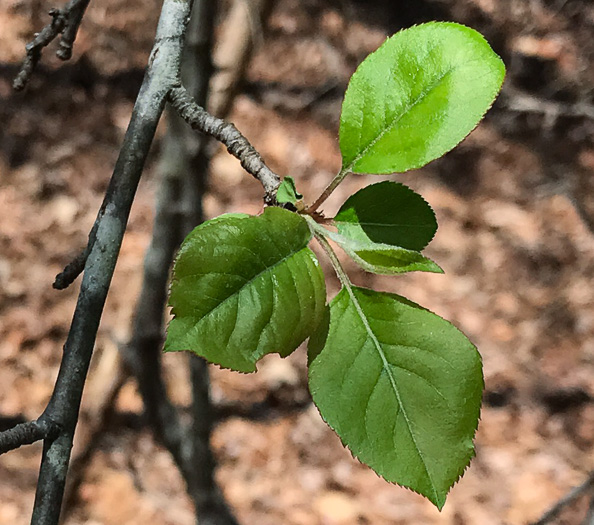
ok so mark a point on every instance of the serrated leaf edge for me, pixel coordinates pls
(386, 366)
(400, 184)
(349, 167)
(305, 250)
(439, 502)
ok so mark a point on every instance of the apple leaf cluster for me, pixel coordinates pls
(400, 385)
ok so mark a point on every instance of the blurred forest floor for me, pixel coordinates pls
(515, 205)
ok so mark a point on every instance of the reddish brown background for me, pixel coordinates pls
(515, 204)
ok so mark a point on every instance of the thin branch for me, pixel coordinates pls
(328, 191)
(27, 434)
(200, 120)
(143, 352)
(105, 383)
(74, 268)
(65, 21)
(566, 500)
(64, 405)
(272, 407)
(161, 78)
(211, 506)
(73, 13)
(34, 48)
(225, 132)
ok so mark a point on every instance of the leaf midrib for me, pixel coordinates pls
(386, 366)
(247, 283)
(396, 120)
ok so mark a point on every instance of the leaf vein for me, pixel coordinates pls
(375, 383)
(385, 362)
(397, 119)
(250, 281)
(424, 379)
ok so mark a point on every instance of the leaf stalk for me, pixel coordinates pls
(328, 191)
(321, 235)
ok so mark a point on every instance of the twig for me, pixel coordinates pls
(566, 500)
(211, 506)
(161, 78)
(273, 406)
(106, 380)
(225, 132)
(238, 146)
(200, 120)
(27, 434)
(74, 268)
(143, 352)
(65, 21)
(73, 13)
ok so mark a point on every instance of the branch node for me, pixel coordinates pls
(28, 433)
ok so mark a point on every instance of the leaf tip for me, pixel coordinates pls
(433, 267)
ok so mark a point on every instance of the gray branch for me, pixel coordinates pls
(566, 500)
(200, 120)
(65, 21)
(27, 434)
(75, 267)
(73, 13)
(64, 405)
(57, 424)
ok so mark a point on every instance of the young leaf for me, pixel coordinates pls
(244, 287)
(287, 192)
(417, 97)
(383, 258)
(400, 386)
(388, 213)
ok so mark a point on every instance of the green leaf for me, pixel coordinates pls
(401, 387)
(417, 97)
(287, 192)
(244, 287)
(384, 259)
(388, 213)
